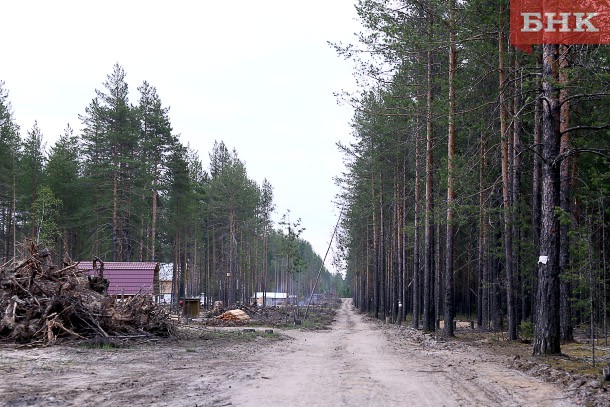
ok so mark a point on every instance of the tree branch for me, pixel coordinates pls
(584, 95)
(576, 128)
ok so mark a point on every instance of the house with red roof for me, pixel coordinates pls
(126, 278)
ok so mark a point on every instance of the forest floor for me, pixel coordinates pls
(357, 362)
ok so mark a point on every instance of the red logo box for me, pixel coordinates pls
(559, 22)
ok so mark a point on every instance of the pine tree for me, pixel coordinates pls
(62, 176)
(9, 158)
(156, 143)
(110, 142)
(30, 179)
(45, 216)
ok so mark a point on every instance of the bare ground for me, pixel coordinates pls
(356, 363)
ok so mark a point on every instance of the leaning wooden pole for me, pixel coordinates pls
(315, 284)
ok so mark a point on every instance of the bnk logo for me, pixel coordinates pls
(559, 22)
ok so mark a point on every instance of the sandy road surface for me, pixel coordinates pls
(353, 364)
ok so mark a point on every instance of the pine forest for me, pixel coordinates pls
(478, 178)
(424, 221)
(126, 189)
(477, 183)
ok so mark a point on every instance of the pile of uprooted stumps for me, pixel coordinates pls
(41, 304)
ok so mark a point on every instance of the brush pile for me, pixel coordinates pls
(41, 304)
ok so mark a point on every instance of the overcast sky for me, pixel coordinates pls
(258, 75)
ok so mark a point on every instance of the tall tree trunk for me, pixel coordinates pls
(383, 303)
(565, 287)
(547, 340)
(449, 311)
(508, 242)
(516, 192)
(115, 198)
(376, 269)
(483, 289)
(369, 271)
(403, 244)
(438, 273)
(536, 183)
(153, 231)
(265, 265)
(397, 251)
(6, 225)
(429, 323)
(232, 273)
(13, 216)
(416, 233)
(177, 281)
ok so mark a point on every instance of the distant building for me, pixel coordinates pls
(165, 287)
(166, 273)
(272, 299)
(127, 278)
(323, 299)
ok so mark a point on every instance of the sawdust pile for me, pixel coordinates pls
(234, 315)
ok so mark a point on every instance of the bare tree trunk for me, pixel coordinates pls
(369, 271)
(416, 233)
(403, 244)
(508, 242)
(153, 231)
(547, 339)
(516, 194)
(265, 265)
(6, 226)
(115, 198)
(496, 297)
(383, 303)
(565, 287)
(483, 287)
(14, 212)
(449, 311)
(536, 183)
(376, 271)
(398, 300)
(438, 273)
(176, 276)
(232, 272)
(604, 273)
(591, 289)
(428, 322)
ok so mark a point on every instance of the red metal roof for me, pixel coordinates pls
(126, 278)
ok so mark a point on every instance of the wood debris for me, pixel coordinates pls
(234, 315)
(41, 303)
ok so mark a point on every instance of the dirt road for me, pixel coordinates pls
(353, 364)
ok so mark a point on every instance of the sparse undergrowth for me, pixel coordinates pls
(237, 336)
(318, 318)
(573, 370)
